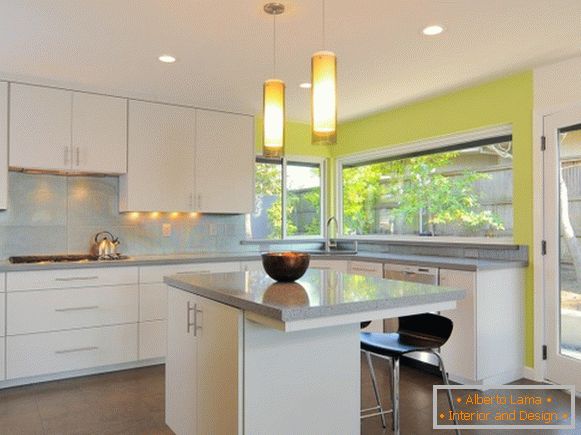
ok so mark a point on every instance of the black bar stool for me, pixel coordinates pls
(418, 333)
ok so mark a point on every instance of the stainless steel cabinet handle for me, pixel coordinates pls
(196, 327)
(189, 322)
(191, 200)
(78, 152)
(66, 158)
(78, 349)
(199, 200)
(88, 307)
(77, 278)
(362, 269)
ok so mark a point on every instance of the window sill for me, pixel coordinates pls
(302, 240)
(482, 242)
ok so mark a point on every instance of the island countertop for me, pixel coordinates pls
(319, 298)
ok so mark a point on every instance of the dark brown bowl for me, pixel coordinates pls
(285, 266)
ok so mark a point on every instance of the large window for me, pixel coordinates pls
(458, 190)
(293, 186)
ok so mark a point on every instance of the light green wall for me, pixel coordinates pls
(505, 101)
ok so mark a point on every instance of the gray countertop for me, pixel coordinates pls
(420, 260)
(318, 294)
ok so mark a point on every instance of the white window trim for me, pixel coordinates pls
(322, 162)
(406, 148)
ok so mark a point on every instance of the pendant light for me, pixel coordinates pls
(273, 100)
(324, 94)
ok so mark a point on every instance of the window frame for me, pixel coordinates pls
(436, 143)
(322, 163)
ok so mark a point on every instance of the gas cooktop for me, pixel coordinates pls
(64, 258)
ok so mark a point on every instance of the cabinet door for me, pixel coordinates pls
(219, 369)
(181, 364)
(459, 352)
(224, 162)
(366, 268)
(99, 134)
(161, 150)
(3, 145)
(40, 127)
(336, 265)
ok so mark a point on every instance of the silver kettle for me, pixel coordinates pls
(105, 244)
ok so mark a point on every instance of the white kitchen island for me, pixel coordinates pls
(247, 355)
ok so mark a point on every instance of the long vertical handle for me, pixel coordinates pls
(196, 327)
(189, 322)
(66, 156)
(78, 152)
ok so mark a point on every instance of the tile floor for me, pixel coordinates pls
(132, 402)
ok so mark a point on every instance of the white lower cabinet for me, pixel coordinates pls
(203, 366)
(53, 352)
(486, 346)
(152, 339)
(152, 301)
(56, 310)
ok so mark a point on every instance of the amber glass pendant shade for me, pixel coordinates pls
(273, 111)
(324, 98)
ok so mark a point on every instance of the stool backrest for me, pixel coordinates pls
(427, 325)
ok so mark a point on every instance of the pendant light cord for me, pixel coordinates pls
(323, 18)
(274, 46)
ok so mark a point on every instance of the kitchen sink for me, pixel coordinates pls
(64, 258)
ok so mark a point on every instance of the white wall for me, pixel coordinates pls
(557, 85)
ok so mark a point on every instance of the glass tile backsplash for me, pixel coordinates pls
(54, 214)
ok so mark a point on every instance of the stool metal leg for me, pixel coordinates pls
(375, 389)
(447, 382)
(395, 390)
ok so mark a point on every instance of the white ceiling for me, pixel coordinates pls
(224, 49)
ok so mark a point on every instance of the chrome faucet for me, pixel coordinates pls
(328, 243)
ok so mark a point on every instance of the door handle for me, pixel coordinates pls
(78, 349)
(196, 327)
(88, 307)
(78, 152)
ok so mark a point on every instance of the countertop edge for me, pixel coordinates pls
(301, 313)
(468, 264)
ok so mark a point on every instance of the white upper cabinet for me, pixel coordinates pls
(3, 145)
(161, 154)
(99, 141)
(40, 127)
(224, 162)
(56, 129)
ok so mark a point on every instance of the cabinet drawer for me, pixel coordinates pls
(152, 339)
(152, 302)
(366, 268)
(156, 273)
(53, 352)
(54, 310)
(68, 278)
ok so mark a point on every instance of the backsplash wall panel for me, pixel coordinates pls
(54, 214)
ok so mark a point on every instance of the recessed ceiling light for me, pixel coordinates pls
(305, 85)
(432, 30)
(166, 58)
